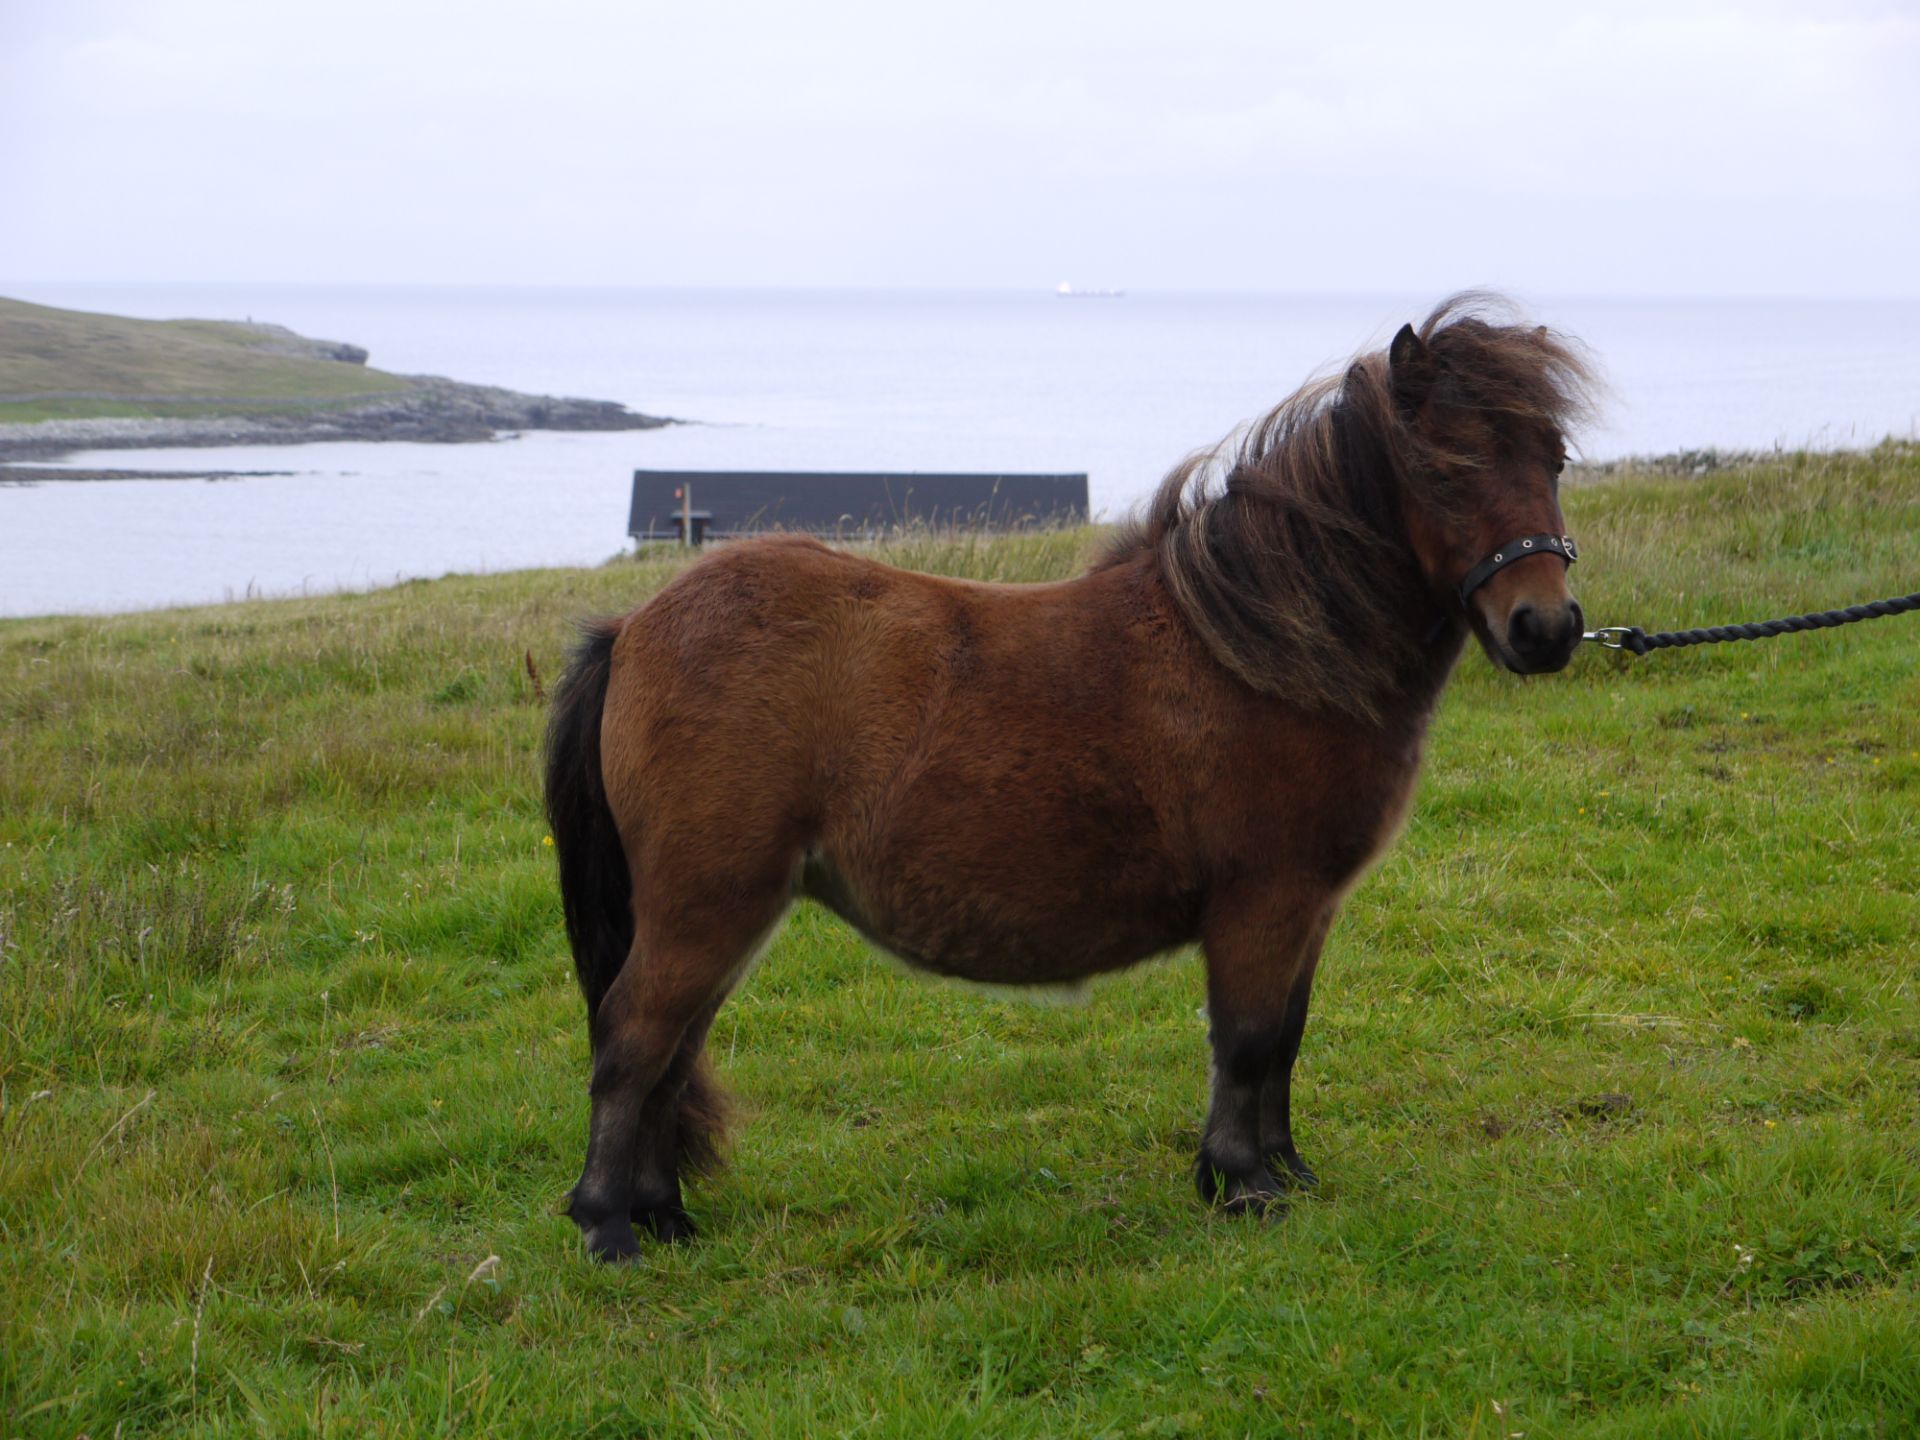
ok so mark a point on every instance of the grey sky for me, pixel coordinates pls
(1676, 147)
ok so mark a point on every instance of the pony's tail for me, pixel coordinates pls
(596, 888)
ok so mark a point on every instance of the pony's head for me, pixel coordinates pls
(1484, 409)
(1327, 551)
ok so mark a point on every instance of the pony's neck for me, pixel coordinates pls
(1432, 631)
(1446, 639)
(1300, 576)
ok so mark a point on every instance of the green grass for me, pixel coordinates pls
(71, 364)
(30, 411)
(292, 1069)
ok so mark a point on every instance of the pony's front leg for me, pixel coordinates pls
(1260, 946)
(1276, 1096)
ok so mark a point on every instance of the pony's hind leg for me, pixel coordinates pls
(680, 1128)
(647, 1038)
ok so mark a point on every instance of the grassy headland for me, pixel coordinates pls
(209, 382)
(70, 363)
(1613, 1077)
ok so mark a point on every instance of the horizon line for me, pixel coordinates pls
(13, 285)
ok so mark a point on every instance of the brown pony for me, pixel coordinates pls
(1208, 736)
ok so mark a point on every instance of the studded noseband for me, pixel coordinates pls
(1561, 545)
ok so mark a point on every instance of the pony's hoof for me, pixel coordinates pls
(612, 1242)
(1251, 1192)
(667, 1223)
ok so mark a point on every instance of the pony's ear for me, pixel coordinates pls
(1411, 368)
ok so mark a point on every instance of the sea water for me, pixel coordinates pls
(1120, 388)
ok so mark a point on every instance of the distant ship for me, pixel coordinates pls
(1067, 291)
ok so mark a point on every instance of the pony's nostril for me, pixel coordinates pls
(1523, 629)
(1576, 616)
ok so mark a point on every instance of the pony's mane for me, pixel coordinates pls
(1285, 547)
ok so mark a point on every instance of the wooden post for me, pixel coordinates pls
(686, 515)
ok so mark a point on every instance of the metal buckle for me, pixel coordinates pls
(1614, 637)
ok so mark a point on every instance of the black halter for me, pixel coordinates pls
(1561, 545)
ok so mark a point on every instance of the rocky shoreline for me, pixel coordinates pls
(430, 409)
(12, 473)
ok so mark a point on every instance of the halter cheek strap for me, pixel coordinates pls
(1561, 545)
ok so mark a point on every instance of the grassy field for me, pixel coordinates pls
(1613, 1078)
(69, 364)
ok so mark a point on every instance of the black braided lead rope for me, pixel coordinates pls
(1633, 638)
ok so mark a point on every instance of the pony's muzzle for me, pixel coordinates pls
(1542, 638)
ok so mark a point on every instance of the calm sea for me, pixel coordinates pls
(884, 380)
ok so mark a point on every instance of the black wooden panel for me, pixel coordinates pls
(743, 502)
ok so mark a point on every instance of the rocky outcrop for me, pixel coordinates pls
(1678, 462)
(279, 340)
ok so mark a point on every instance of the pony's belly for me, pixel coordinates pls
(1000, 936)
(1018, 957)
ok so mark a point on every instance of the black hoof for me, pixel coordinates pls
(1241, 1192)
(612, 1242)
(667, 1223)
(608, 1236)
